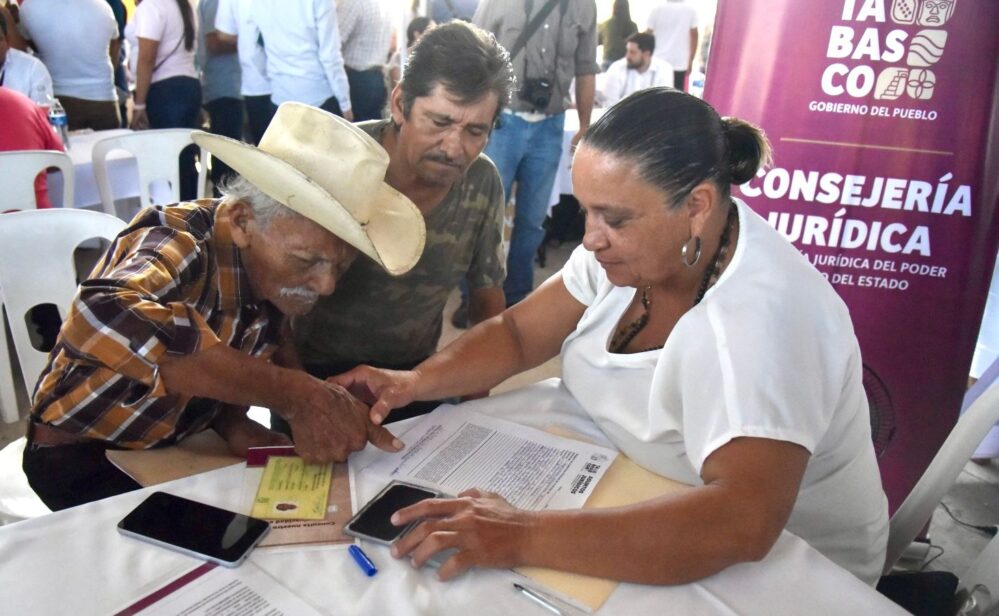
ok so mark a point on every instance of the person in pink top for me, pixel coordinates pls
(26, 127)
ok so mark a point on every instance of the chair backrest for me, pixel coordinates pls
(37, 267)
(940, 475)
(156, 153)
(19, 170)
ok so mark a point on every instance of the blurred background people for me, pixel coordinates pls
(674, 22)
(77, 40)
(118, 60)
(304, 59)
(414, 31)
(220, 82)
(615, 31)
(443, 11)
(11, 16)
(527, 142)
(167, 89)
(366, 32)
(637, 70)
(233, 23)
(26, 127)
(21, 71)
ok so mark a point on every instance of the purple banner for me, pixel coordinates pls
(883, 119)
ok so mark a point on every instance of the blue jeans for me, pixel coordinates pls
(527, 152)
(175, 102)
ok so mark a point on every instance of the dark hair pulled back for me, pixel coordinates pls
(678, 141)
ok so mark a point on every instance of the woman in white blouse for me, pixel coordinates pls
(167, 88)
(705, 347)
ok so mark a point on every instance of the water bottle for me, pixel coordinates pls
(59, 121)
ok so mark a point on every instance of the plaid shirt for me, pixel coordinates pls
(366, 32)
(171, 283)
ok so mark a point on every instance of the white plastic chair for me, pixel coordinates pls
(37, 267)
(8, 396)
(19, 170)
(956, 451)
(17, 500)
(156, 153)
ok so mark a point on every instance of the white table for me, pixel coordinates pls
(122, 170)
(76, 558)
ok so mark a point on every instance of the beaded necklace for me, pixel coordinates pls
(626, 334)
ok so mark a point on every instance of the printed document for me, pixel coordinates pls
(454, 449)
(219, 591)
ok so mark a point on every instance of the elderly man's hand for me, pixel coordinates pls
(327, 423)
(383, 389)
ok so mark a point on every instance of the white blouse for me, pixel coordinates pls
(769, 352)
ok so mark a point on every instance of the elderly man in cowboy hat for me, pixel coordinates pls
(182, 325)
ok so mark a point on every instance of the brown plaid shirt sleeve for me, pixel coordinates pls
(172, 282)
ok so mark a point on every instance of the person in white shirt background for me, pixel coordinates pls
(637, 70)
(675, 23)
(23, 72)
(233, 23)
(76, 40)
(304, 61)
(220, 82)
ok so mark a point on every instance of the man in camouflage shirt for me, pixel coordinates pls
(455, 85)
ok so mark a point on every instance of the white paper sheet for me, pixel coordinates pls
(454, 450)
(219, 591)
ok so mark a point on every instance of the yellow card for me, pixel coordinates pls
(293, 490)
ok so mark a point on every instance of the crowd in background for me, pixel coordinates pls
(227, 64)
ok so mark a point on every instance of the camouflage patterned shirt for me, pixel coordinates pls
(372, 317)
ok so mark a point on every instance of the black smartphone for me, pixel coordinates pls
(372, 521)
(194, 528)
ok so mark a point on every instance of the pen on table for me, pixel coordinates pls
(538, 598)
(362, 560)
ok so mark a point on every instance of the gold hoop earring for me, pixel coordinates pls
(696, 251)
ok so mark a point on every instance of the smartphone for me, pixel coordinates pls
(373, 520)
(194, 528)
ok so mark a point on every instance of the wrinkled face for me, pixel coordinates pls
(635, 57)
(290, 261)
(442, 137)
(634, 235)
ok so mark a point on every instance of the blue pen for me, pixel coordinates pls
(362, 560)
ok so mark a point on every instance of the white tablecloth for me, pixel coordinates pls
(122, 170)
(75, 561)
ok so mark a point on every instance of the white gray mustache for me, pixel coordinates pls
(304, 293)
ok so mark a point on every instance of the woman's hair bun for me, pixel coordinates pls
(747, 149)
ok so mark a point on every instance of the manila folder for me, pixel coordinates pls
(625, 483)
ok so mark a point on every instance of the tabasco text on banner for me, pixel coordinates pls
(880, 113)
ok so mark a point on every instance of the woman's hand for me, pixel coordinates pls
(140, 121)
(384, 390)
(480, 527)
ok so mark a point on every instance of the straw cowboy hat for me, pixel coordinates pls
(333, 173)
